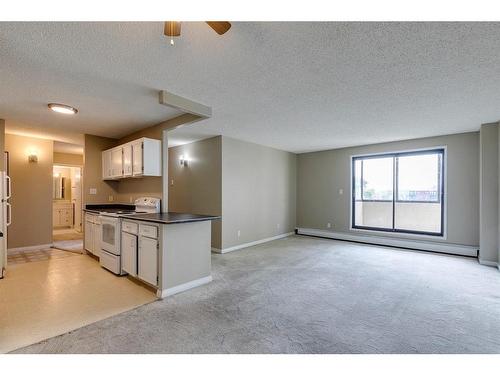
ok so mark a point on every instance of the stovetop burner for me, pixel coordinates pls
(121, 212)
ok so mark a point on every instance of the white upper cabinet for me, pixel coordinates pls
(117, 162)
(138, 158)
(106, 165)
(146, 156)
(127, 160)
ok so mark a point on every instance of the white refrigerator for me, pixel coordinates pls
(5, 219)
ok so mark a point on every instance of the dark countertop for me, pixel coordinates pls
(108, 207)
(170, 217)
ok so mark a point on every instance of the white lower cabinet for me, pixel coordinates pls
(140, 250)
(129, 253)
(96, 236)
(92, 229)
(62, 215)
(88, 241)
(148, 260)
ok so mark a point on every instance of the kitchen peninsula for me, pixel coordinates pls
(184, 249)
(169, 251)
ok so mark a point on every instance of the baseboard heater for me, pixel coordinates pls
(445, 248)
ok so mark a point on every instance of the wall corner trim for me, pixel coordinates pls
(253, 243)
(446, 248)
(488, 263)
(183, 287)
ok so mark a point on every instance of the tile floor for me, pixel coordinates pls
(68, 239)
(66, 235)
(47, 294)
(29, 256)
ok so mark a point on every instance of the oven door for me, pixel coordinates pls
(110, 234)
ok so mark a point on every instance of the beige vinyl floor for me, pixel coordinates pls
(66, 234)
(45, 298)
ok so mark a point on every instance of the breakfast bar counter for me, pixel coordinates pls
(173, 250)
(173, 217)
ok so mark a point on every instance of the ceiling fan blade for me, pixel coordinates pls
(220, 27)
(172, 28)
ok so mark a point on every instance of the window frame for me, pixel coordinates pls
(440, 150)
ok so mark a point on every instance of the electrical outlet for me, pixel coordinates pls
(93, 191)
(171, 182)
(110, 198)
(328, 225)
(239, 233)
(131, 201)
(278, 226)
(341, 191)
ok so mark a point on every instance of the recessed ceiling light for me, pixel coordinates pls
(62, 108)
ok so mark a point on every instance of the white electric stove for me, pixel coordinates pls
(110, 257)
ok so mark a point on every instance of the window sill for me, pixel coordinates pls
(381, 233)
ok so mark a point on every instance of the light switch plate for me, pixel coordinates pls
(341, 191)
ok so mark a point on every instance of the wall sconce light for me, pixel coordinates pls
(184, 160)
(32, 157)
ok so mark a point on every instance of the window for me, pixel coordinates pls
(399, 192)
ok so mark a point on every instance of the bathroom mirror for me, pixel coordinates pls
(58, 191)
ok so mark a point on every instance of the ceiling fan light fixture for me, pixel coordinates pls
(62, 108)
(220, 27)
(172, 28)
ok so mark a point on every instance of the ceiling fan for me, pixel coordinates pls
(173, 28)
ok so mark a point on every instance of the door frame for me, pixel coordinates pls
(81, 187)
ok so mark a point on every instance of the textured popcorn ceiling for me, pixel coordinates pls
(293, 86)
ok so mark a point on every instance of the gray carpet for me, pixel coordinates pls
(306, 295)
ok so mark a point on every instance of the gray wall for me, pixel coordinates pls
(197, 187)
(258, 192)
(322, 174)
(489, 193)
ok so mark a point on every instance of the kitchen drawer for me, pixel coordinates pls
(110, 262)
(129, 227)
(150, 231)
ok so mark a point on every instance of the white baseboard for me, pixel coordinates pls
(396, 242)
(183, 287)
(488, 263)
(253, 243)
(14, 250)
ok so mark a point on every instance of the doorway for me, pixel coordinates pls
(67, 208)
